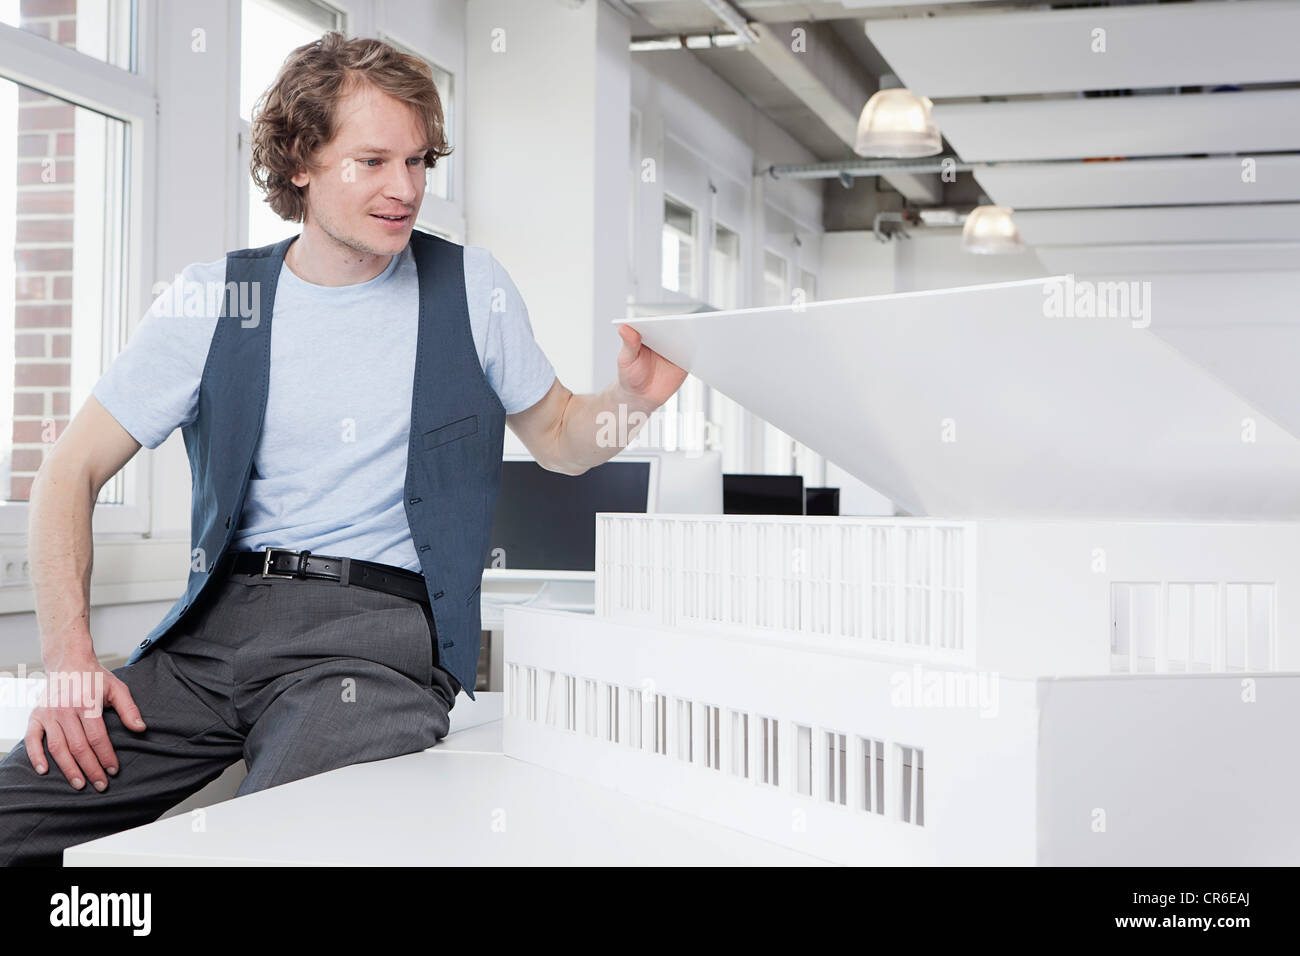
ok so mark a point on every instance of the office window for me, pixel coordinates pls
(660, 735)
(779, 452)
(712, 738)
(1198, 626)
(611, 713)
(724, 269)
(514, 691)
(739, 744)
(270, 30)
(551, 695)
(726, 431)
(837, 759)
(438, 179)
(769, 762)
(912, 784)
(102, 29)
(685, 737)
(63, 273)
(808, 282)
(590, 700)
(530, 693)
(678, 266)
(1251, 622)
(803, 752)
(873, 774)
(774, 279)
(682, 422)
(569, 701)
(634, 733)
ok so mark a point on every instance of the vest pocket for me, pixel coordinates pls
(451, 432)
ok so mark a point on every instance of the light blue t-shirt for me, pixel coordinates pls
(330, 465)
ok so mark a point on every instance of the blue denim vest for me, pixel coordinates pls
(453, 470)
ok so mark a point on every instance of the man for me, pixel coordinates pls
(346, 458)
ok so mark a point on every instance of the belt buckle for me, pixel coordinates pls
(266, 564)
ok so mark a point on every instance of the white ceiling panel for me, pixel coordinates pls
(1145, 182)
(1264, 121)
(1193, 257)
(1044, 51)
(1161, 224)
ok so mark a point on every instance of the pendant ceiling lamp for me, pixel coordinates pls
(990, 230)
(895, 123)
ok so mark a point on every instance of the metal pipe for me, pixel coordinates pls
(941, 164)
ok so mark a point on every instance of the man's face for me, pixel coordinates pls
(374, 166)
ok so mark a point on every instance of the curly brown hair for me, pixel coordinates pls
(296, 115)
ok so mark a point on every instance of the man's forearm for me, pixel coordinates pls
(60, 550)
(595, 427)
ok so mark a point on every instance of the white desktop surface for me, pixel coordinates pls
(462, 802)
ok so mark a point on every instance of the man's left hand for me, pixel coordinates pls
(644, 375)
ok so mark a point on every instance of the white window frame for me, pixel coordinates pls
(131, 98)
(737, 291)
(443, 216)
(697, 217)
(238, 182)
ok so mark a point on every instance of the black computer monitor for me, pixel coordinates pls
(821, 501)
(546, 520)
(762, 494)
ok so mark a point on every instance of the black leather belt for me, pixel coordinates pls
(283, 563)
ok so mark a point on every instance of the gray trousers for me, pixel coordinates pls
(296, 677)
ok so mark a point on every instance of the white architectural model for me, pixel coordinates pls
(1008, 688)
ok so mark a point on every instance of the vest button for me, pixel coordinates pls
(145, 642)
(415, 501)
(437, 595)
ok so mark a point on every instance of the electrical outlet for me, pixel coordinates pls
(15, 570)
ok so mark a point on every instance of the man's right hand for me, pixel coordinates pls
(70, 720)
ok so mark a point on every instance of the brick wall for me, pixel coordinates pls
(42, 345)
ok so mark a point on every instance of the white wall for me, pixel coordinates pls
(855, 263)
(547, 137)
(858, 264)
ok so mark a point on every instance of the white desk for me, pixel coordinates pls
(561, 590)
(460, 802)
(506, 587)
